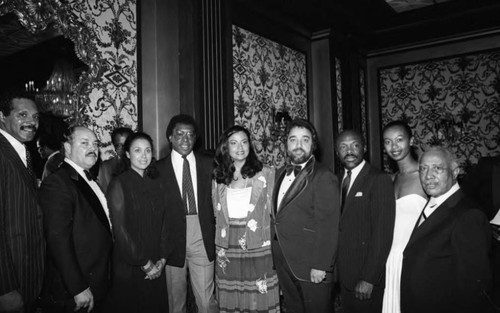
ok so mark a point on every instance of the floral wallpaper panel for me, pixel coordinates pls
(453, 101)
(269, 90)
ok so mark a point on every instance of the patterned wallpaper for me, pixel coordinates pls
(111, 99)
(452, 101)
(269, 90)
(338, 86)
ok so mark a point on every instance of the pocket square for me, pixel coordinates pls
(358, 194)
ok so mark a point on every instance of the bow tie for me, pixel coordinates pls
(89, 175)
(293, 168)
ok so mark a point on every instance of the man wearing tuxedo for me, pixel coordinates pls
(366, 226)
(446, 266)
(22, 247)
(305, 221)
(77, 229)
(482, 184)
(186, 176)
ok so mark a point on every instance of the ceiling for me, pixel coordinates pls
(375, 24)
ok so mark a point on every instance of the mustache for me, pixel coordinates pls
(350, 155)
(28, 127)
(91, 154)
(298, 149)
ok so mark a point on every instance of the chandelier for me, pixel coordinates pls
(57, 97)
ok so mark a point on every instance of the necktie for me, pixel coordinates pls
(89, 175)
(345, 187)
(293, 168)
(431, 204)
(29, 163)
(187, 189)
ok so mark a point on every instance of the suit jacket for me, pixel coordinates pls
(258, 230)
(482, 184)
(78, 236)
(366, 228)
(445, 263)
(52, 164)
(306, 222)
(107, 170)
(22, 246)
(176, 215)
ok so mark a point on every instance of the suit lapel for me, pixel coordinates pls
(442, 212)
(89, 195)
(358, 183)
(17, 162)
(277, 185)
(299, 184)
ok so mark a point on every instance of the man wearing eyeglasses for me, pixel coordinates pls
(77, 228)
(446, 267)
(186, 176)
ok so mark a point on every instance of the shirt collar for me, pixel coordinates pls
(77, 168)
(355, 171)
(16, 144)
(437, 201)
(178, 157)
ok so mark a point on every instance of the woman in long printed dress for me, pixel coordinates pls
(241, 194)
(410, 200)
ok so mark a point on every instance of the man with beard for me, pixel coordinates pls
(77, 228)
(22, 249)
(305, 222)
(366, 227)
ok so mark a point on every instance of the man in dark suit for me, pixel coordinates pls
(366, 227)
(22, 247)
(187, 179)
(482, 184)
(445, 263)
(305, 224)
(49, 147)
(77, 228)
(109, 167)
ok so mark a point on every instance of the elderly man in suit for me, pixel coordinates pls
(77, 228)
(22, 247)
(305, 224)
(482, 184)
(366, 226)
(187, 179)
(446, 265)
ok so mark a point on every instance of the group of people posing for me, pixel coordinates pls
(239, 232)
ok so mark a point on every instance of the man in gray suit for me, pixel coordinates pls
(22, 248)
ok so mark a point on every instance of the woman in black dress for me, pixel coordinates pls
(137, 209)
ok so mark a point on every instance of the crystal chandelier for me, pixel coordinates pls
(57, 98)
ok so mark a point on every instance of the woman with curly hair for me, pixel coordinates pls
(241, 194)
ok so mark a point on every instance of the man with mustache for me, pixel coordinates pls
(22, 247)
(305, 222)
(77, 228)
(446, 266)
(366, 226)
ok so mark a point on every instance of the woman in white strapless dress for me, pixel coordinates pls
(411, 199)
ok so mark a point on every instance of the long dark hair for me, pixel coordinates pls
(151, 171)
(223, 164)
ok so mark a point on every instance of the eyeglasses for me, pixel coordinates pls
(178, 135)
(434, 169)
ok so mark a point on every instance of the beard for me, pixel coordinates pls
(298, 156)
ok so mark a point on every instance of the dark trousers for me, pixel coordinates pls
(351, 304)
(301, 296)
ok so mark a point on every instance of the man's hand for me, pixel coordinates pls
(84, 299)
(363, 290)
(317, 276)
(11, 302)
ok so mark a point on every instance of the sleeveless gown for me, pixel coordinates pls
(408, 209)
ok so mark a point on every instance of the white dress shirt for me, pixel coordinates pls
(354, 173)
(178, 165)
(287, 182)
(434, 203)
(95, 187)
(17, 145)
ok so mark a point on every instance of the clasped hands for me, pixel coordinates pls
(153, 270)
